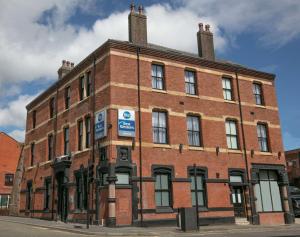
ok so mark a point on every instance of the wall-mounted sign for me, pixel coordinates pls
(100, 124)
(126, 123)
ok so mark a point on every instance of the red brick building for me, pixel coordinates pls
(293, 166)
(155, 113)
(9, 155)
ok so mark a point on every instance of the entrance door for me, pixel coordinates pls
(62, 197)
(237, 197)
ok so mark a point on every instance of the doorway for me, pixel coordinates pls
(62, 197)
(237, 197)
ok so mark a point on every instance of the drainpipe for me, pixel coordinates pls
(244, 147)
(140, 133)
(54, 153)
(93, 135)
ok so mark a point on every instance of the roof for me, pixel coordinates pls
(297, 150)
(10, 137)
(158, 51)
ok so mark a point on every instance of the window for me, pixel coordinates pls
(29, 194)
(4, 200)
(200, 189)
(267, 192)
(66, 141)
(235, 179)
(157, 77)
(123, 178)
(67, 97)
(51, 107)
(50, 147)
(103, 154)
(81, 88)
(80, 135)
(159, 126)
(88, 132)
(104, 179)
(81, 190)
(190, 83)
(262, 136)
(47, 193)
(227, 89)
(32, 148)
(162, 190)
(9, 179)
(231, 134)
(34, 119)
(193, 129)
(257, 92)
(88, 84)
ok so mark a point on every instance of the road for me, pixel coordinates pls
(12, 229)
(8, 229)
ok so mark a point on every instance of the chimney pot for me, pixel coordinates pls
(132, 7)
(141, 9)
(207, 27)
(201, 26)
(72, 65)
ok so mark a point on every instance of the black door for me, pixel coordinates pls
(62, 198)
(237, 197)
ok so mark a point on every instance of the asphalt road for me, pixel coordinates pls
(10, 229)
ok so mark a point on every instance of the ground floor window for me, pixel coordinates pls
(162, 190)
(47, 193)
(28, 196)
(199, 178)
(267, 192)
(81, 190)
(4, 200)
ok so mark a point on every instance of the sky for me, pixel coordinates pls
(35, 36)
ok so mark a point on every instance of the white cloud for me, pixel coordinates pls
(14, 113)
(276, 22)
(17, 134)
(31, 50)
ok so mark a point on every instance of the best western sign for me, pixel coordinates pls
(126, 123)
(100, 124)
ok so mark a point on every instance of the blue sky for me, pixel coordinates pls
(35, 36)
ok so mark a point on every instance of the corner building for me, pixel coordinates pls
(192, 117)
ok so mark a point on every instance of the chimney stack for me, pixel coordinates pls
(65, 68)
(205, 40)
(137, 25)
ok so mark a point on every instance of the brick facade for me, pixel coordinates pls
(9, 154)
(293, 166)
(121, 71)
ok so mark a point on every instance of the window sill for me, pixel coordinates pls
(260, 106)
(164, 210)
(45, 162)
(78, 211)
(265, 153)
(196, 148)
(192, 96)
(159, 91)
(236, 151)
(230, 101)
(157, 145)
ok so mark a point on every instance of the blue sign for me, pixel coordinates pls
(126, 123)
(100, 124)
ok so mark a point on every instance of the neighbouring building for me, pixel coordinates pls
(9, 156)
(293, 166)
(154, 113)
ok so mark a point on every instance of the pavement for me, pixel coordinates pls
(29, 227)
